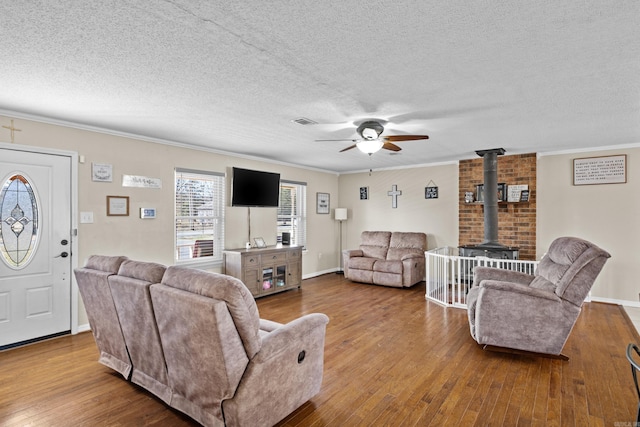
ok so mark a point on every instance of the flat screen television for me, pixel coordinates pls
(255, 188)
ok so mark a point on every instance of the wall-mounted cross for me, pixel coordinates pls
(394, 193)
(12, 129)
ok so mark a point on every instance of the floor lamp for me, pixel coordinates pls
(340, 214)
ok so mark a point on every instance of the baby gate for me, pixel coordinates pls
(449, 275)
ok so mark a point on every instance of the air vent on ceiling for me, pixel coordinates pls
(304, 121)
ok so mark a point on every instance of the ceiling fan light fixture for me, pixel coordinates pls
(370, 146)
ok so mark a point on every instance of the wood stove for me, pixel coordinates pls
(490, 247)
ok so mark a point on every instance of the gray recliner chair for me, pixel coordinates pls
(534, 313)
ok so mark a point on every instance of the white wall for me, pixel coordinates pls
(607, 215)
(438, 218)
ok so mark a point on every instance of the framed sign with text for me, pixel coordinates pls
(600, 170)
(322, 203)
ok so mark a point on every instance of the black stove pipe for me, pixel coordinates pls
(490, 162)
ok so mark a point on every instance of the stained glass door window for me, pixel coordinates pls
(18, 222)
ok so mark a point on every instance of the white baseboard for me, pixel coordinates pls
(320, 273)
(84, 328)
(616, 301)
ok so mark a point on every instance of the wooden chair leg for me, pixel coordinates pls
(526, 353)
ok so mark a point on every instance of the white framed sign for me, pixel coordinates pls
(101, 172)
(140, 181)
(600, 170)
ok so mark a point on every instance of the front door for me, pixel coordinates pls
(35, 245)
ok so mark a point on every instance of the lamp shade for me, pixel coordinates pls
(340, 214)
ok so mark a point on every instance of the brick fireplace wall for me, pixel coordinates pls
(516, 221)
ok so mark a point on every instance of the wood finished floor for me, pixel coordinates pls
(391, 359)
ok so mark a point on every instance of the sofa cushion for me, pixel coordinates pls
(540, 282)
(388, 266)
(406, 243)
(110, 264)
(375, 244)
(145, 271)
(362, 263)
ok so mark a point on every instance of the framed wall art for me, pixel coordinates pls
(480, 193)
(431, 190)
(101, 172)
(322, 203)
(364, 193)
(600, 170)
(117, 205)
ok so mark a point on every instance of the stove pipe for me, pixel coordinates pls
(490, 161)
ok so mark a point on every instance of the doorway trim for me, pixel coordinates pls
(74, 218)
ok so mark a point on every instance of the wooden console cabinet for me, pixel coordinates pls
(265, 270)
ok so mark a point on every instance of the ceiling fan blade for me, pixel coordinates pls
(397, 138)
(348, 148)
(391, 146)
(333, 140)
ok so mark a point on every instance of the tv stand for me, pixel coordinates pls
(265, 271)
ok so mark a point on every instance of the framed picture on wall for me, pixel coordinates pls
(117, 205)
(480, 193)
(322, 203)
(364, 193)
(502, 192)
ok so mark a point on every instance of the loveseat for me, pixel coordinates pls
(196, 341)
(387, 258)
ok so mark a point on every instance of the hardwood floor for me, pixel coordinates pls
(391, 358)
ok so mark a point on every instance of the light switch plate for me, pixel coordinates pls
(86, 217)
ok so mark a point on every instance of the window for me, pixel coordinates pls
(199, 215)
(292, 211)
(19, 218)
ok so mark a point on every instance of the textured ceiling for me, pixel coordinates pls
(232, 75)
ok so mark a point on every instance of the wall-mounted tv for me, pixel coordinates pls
(255, 188)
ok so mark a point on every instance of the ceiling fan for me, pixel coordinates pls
(372, 142)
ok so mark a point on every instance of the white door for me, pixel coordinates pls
(35, 245)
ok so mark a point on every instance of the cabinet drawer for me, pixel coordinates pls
(274, 257)
(294, 254)
(251, 261)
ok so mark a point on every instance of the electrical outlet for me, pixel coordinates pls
(319, 255)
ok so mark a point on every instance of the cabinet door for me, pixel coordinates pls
(274, 277)
(294, 275)
(252, 281)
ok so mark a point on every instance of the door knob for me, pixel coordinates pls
(63, 255)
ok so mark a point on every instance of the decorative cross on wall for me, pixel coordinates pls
(394, 193)
(12, 129)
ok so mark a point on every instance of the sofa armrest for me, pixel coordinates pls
(288, 335)
(517, 288)
(269, 326)
(412, 256)
(284, 374)
(353, 253)
(499, 274)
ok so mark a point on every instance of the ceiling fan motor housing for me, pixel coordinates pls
(370, 130)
